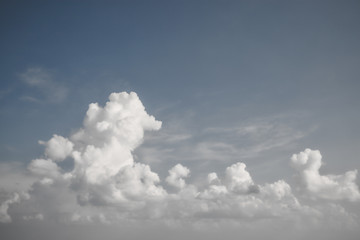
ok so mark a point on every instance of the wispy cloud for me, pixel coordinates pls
(227, 144)
(48, 90)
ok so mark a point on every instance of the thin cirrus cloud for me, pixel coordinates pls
(250, 139)
(107, 185)
(47, 89)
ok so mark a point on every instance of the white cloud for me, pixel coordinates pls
(238, 179)
(212, 177)
(104, 168)
(58, 148)
(123, 118)
(177, 175)
(334, 187)
(107, 185)
(44, 167)
(236, 196)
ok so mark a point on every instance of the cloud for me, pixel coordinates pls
(107, 185)
(58, 148)
(238, 179)
(236, 196)
(334, 187)
(10, 200)
(104, 169)
(44, 167)
(177, 175)
(42, 80)
(14, 177)
(258, 138)
(4, 216)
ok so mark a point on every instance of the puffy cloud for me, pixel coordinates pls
(212, 177)
(123, 118)
(58, 148)
(138, 181)
(177, 175)
(238, 179)
(215, 188)
(104, 171)
(44, 167)
(104, 168)
(277, 190)
(237, 196)
(107, 185)
(333, 187)
(98, 164)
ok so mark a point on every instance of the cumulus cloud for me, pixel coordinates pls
(104, 169)
(44, 167)
(236, 196)
(104, 172)
(212, 177)
(103, 152)
(58, 148)
(177, 175)
(334, 187)
(238, 179)
(107, 185)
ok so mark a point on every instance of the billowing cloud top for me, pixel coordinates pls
(107, 185)
(335, 187)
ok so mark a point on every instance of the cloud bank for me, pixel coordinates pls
(107, 185)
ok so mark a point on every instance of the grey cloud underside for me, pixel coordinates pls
(107, 185)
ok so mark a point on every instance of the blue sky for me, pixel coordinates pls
(249, 81)
(224, 62)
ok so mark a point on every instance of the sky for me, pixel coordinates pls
(179, 119)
